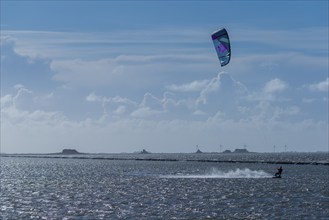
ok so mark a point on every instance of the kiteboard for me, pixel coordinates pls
(276, 176)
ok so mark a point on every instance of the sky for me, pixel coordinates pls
(122, 76)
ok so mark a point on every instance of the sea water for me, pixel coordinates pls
(57, 188)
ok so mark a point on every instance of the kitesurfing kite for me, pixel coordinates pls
(222, 46)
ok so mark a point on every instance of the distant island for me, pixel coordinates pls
(69, 151)
(144, 152)
(236, 151)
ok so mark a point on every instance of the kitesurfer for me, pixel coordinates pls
(278, 174)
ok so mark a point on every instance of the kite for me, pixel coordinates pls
(222, 46)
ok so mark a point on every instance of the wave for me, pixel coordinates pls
(215, 173)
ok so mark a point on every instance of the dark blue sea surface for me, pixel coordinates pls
(57, 188)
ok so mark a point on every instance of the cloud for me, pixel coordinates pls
(145, 112)
(127, 82)
(151, 101)
(152, 56)
(152, 124)
(222, 88)
(13, 114)
(167, 106)
(154, 44)
(322, 86)
(42, 131)
(18, 69)
(279, 113)
(117, 105)
(21, 94)
(154, 106)
(6, 100)
(96, 60)
(275, 85)
(120, 110)
(92, 97)
(126, 70)
(269, 92)
(194, 86)
(211, 87)
(68, 44)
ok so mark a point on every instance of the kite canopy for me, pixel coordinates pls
(222, 46)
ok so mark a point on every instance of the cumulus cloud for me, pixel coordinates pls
(151, 101)
(145, 112)
(222, 88)
(211, 87)
(152, 105)
(198, 108)
(275, 85)
(322, 86)
(120, 110)
(14, 113)
(279, 112)
(6, 100)
(208, 109)
(48, 131)
(194, 86)
(168, 106)
(119, 105)
(149, 105)
(269, 92)
(92, 97)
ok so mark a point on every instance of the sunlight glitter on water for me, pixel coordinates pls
(56, 188)
(215, 173)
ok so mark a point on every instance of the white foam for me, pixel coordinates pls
(215, 173)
